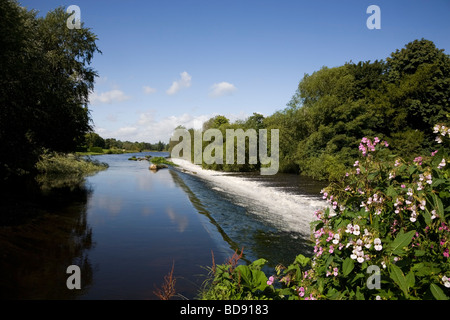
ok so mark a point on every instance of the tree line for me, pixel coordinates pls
(93, 141)
(398, 99)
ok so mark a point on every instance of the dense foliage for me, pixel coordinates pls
(45, 81)
(399, 100)
(384, 235)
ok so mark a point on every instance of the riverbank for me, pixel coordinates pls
(54, 163)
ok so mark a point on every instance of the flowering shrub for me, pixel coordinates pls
(391, 217)
(385, 234)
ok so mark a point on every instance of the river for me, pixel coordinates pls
(126, 226)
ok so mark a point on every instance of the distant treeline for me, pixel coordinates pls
(398, 99)
(95, 143)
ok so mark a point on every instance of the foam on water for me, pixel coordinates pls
(286, 211)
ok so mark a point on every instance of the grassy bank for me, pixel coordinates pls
(54, 163)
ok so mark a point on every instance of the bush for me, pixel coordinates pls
(54, 163)
(385, 234)
(162, 160)
(96, 149)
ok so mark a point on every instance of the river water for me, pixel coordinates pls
(127, 226)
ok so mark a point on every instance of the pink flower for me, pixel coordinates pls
(331, 249)
(335, 204)
(446, 253)
(335, 271)
(301, 291)
(270, 281)
(310, 297)
(418, 160)
(434, 153)
(403, 186)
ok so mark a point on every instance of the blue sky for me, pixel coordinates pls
(167, 63)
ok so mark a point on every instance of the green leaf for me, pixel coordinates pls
(302, 260)
(359, 294)
(358, 277)
(329, 261)
(391, 192)
(437, 182)
(252, 278)
(419, 253)
(437, 292)
(402, 240)
(411, 279)
(444, 194)
(399, 278)
(257, 264)
(373, 175)
(347, 266)
(332, 294)
(427, 216)
(425, 269)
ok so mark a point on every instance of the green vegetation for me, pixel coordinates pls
(399, 100)
(53, 163)
(57, 170)
(44, 85)
(384, 236)
(162, 160)
(133, 158)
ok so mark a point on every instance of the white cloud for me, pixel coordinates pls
(126, 131)
(148, 90)
(112, 96)
(221, 89)
(150, 128)
(184, 82)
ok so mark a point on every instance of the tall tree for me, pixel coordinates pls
(420, 90)
(44, 85)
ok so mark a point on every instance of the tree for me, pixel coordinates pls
(419, 75)
(94, 140)
(44, 85)
(215, 122)
(160, 146)
(256, 121)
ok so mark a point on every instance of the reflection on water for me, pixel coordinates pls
(127, 225)
(38, 240)
(142, 223)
